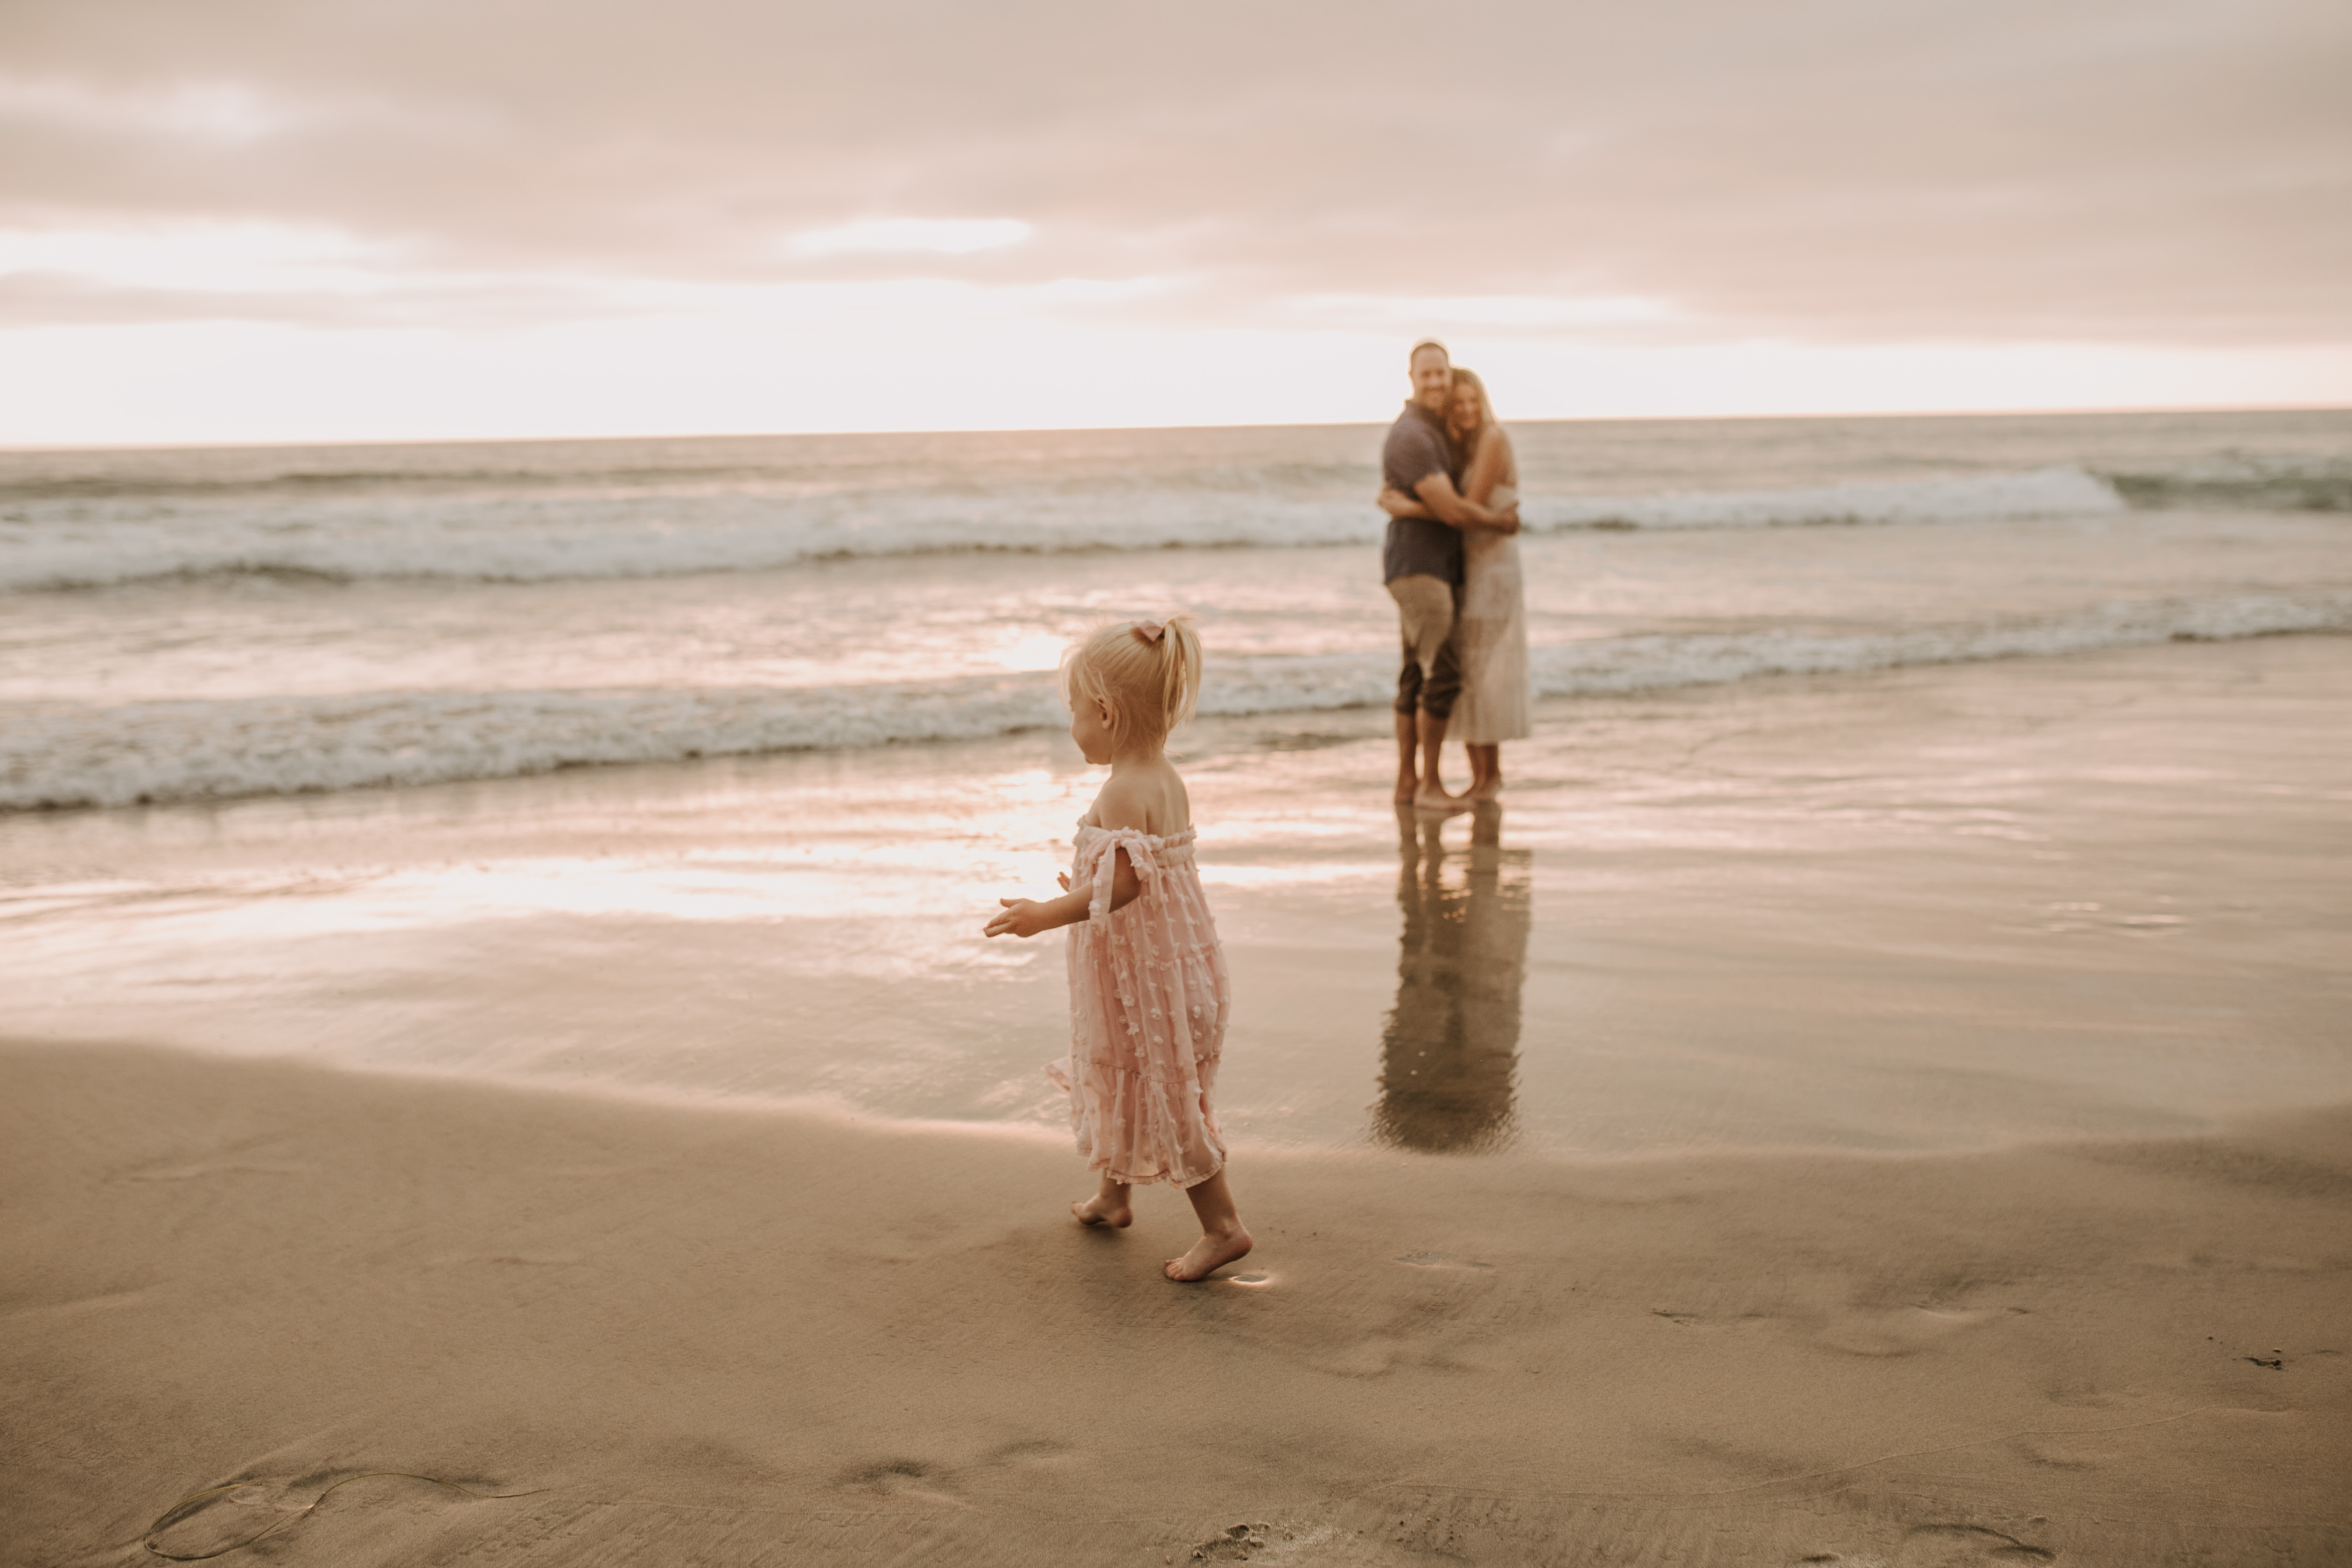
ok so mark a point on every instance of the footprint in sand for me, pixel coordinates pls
(1940, 1546)
(1036, 1453)
(222, 1518)
(228, 1518)
(1236, 1543)
(941, 1484)
(1296, 1544)
(1964, 1546)
(917, 1480)
(1905, 1331)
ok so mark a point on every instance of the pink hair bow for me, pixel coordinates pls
(1150, 631)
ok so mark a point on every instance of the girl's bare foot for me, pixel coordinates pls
(1107, 1206)
(1438, 800)
(1211, 1253)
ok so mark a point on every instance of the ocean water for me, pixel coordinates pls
(2033, 877)
(185, 624)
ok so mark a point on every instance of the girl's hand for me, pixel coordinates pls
(1020, 917)
(1065, 879)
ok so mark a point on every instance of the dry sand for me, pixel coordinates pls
(400, 1322)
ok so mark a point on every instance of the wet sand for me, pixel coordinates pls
(1935, 908)
(399, 1323)
(1903, 1120)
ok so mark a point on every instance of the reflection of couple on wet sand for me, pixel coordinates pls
(1450, 1046)
(1450, 486)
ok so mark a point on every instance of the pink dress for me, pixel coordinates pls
(1149, 999)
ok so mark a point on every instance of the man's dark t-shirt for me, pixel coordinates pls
(1418, 546)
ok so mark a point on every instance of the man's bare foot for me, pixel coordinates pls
(1209, 1254)
(1099, 1210)
(1438, 800)
(1490, 790)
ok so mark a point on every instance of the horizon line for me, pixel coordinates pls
(2046, 412)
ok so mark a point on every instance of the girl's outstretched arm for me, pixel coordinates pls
(1027, 917)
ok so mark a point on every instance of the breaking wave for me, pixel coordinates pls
(430, 534)
(58, 755)
(2254, 484)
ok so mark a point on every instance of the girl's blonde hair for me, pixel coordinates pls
(1147, 671)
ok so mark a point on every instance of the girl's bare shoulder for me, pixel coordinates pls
(1152, 802)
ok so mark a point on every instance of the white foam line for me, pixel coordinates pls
(53, 755)
(508, 539)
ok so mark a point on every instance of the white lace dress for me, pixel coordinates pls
(1490, 638)
(1149, 999)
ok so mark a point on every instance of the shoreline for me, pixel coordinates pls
(756, 1336)
(1931, 909)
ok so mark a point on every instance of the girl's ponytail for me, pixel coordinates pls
(1147, 671)
(1180, 671)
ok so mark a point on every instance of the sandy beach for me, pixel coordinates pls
(561, 568)
(1900, 1120)
(398, 1322)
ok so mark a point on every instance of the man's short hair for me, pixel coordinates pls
(1429, 343)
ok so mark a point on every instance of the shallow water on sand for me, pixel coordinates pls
(1937, 908)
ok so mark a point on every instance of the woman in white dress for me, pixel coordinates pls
(1490, 632)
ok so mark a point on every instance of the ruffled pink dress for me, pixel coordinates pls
(1149, 999)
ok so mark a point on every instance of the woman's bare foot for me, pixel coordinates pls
(1438, 800)
(1491, 789)
(1211, 1253)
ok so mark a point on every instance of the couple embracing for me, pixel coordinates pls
(1451, 489)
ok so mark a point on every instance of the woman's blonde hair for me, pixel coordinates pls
(1147, 671)
(1469, 378)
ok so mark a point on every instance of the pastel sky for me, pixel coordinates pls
(328, 219)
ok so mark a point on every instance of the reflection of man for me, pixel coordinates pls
(1422, 564)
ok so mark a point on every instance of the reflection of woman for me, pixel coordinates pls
(1490, 632)
(1450, 1047)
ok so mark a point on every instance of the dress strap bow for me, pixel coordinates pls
(1142, 853)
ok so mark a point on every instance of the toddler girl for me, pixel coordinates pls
(1149, 993)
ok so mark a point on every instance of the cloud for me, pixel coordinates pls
(1839, 173)
(906, 235)
(1861, 166)
(1533, 311)
(224, 112)
(251, 257)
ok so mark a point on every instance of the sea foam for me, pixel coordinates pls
(547, 535)
(54, 756)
